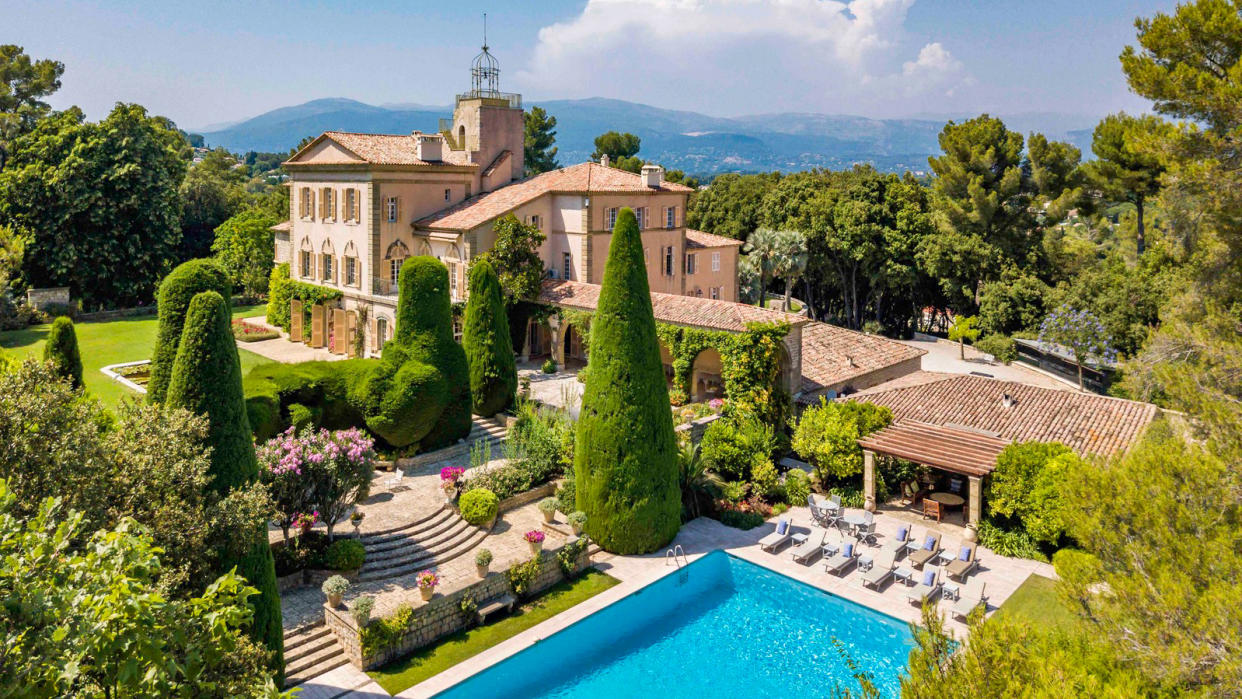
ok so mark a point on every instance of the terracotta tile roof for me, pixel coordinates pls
(832, 355)
(389, 149)
(584, 178)
(1088, 423)
(710, 314)
(953, 449)
(699, 239)
(282, 227)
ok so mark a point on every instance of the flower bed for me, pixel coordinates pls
(248, 332)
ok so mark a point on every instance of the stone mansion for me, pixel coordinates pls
(360, 204)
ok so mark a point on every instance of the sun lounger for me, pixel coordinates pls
(964, 563)
(778, 538)
(927, 587)
(838, 564)
(897, 544)
(929, 550)
(970, 598)
(809, 548)
(880, 571)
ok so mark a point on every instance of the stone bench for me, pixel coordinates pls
(495, 604)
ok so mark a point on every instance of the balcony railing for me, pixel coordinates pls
(383, 287)
(513, 99)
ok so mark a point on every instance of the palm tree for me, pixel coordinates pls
(697, 481)
(790, 261)
(763, 247)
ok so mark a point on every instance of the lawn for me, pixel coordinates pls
(1035, 601)
(111, 342)
(433, 660)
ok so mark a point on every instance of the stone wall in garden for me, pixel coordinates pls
(546, 490)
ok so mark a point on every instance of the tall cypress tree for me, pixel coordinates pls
(625, 458)
(489, 349)
(181, 285)
(62, 351)
(206, 380)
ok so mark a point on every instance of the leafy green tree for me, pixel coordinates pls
(732, 205)
(625, 456)
(245, 248)
(764, 247)
(62, 351)
(827, 435)
(213, 190)
(1123, 169)
(540, 137)
(964, 328)
(175, 293)
(699, 484)
(92, 620)
(1080, 331)
(206, 380)
(679, 177)
(1017, 301)
(23, 84)
(790, 263)
(485, 337)
(616, 146)
(111, 188)
(734, 447)
(1026, 487)
(515, 256)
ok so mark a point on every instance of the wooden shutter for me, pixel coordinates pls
(372, 325)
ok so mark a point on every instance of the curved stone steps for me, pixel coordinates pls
(466, 541)
(451, 530)
(399, 536)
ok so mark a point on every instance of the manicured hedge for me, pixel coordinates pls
(478, 506)
(345, 554)
(485, 337)
(62, 351)
(178, 288)
(625, 454)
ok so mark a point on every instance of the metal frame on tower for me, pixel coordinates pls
(485, 71)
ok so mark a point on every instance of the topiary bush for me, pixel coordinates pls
(625, 455)
(175, 293)
(479, 506)
(61, 350)
(485, 338)
(345, 554)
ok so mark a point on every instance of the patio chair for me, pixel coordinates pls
(838, 564)
(931, 508)
(912, 493)
(778, 538)
(928, 586)
(972, 596)
(395, 478)
(809, 548)
(880, 571)
(965, 562)
(929, 550)
(866, 534)
(818, 513)
(897, 544)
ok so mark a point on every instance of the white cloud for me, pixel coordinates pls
(739, 55)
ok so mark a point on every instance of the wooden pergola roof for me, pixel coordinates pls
(961, 451)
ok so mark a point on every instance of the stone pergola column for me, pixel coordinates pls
(558, 344)
(975, 513)
(869, 479)
(525, 348)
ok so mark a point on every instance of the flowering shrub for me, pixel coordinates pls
(534, 536)
(428, 578)
(247, 332)
(716, 404)
(304, 522)
(327, 472)
(1079, 330)
(451, 474)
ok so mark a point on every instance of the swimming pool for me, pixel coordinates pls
(720, 627)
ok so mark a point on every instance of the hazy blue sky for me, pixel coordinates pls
(206, 62)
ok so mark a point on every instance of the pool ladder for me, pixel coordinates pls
(677, 555)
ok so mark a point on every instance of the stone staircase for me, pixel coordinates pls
(481, 429)
(417, 546)
(310, 651)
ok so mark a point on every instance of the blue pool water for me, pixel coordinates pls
(721, 627)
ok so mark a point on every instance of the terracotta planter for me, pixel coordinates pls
(334, 601)
(482, 570)
(577, 528)
(427, 593)
(549, 517)
(535, 547)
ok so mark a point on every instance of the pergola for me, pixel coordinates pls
(957, 450)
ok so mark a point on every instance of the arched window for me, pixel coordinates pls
(349, 263)
(306, 259)
(327, 256)
(394, 258)
(452, 260)
(461, 136)
(381, 332)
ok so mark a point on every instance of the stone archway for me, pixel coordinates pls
(706, 372)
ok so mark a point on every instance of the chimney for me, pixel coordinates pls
(1008, 401)
(428, 147)
(603, 160)
(653, 175)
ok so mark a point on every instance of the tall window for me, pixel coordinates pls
(306, 263)
(351, 271)
(381, 332)
(715, 262)
(394, 268)
(391, 205)
(448, 193)
(351, 205)
(452, 270)
(716, 292)
(327, 267)
(668, 261)
(690, 266)
(327, 204)
(567, 265)
(641, 214)
(306, 208)
(610, 218)
(534, 221)
(670, 217)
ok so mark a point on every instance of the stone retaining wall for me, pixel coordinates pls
(534, 494)
(439, 617)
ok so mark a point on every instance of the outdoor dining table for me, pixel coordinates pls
(947, 499)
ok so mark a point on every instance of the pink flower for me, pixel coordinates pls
(534, 536)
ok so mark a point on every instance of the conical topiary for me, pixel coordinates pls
(62, 351)
(625, 458)
(181, 285)
(206, 380)
(489, 350)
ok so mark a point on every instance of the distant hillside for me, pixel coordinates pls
(696, 143)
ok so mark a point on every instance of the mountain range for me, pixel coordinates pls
(696, 143)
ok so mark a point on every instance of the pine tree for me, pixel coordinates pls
(489, 349)
(62, 350)
(625, 454)
(206, 380)
(175, 293)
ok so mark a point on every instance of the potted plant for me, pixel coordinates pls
(356, 520)
(303, 522)
(427, 581)
(449, 481)
(548, 507)
(577, 520)
(482, 560)
(535, 538)
(335, 588)
(361, 609)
